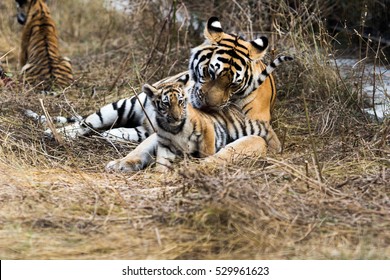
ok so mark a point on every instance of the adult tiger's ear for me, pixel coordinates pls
(150, 91)
(258, 48)
(213, 31)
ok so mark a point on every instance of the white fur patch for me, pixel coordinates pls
(216, 24)
(259, 42)
(121, 134)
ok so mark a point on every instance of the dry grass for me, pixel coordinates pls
(56, 201)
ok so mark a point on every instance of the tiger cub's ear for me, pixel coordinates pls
(213, 31)
(183, 80)
(258, 48)
(150, 91)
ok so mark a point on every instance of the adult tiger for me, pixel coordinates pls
(40, 59)
(183, 129)
(224, 69)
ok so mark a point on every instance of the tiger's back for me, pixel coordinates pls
(40, 58)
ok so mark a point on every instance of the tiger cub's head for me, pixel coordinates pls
(169, 101)
(222, 67)
(23, 8)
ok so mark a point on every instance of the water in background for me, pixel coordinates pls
(375, 84)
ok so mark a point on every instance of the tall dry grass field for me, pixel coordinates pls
(326, 196)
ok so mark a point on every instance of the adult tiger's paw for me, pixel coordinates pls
(122, 134)
(124, 165)
(214, 160)
(115, 134)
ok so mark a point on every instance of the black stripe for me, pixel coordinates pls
(139, 134)
(233, 53)
(200, 52)
(224, 60)
(272, 91)
(121, 111)
(145, 102)
(131, 112)
(248, 110)
(252, 130)
(201, 60)
(236, 50)
(227, 40)
(99, 113)
(235, 128)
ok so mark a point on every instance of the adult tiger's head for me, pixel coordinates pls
(223, 67)
(23, 8)
(170, 103)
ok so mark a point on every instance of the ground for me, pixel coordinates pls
(326, 196)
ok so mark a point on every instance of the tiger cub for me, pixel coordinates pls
(183, 129)
(40, 59)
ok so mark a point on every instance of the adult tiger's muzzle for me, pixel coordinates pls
(216, 93)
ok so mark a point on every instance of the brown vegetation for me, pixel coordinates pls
(326, 196)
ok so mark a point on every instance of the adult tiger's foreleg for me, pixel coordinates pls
(251, 146)
(134, 134)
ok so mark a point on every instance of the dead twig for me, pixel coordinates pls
(143, 109)
(57, 137)
(313, 146)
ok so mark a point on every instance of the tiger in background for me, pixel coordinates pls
(40, 59)
(183, 129)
